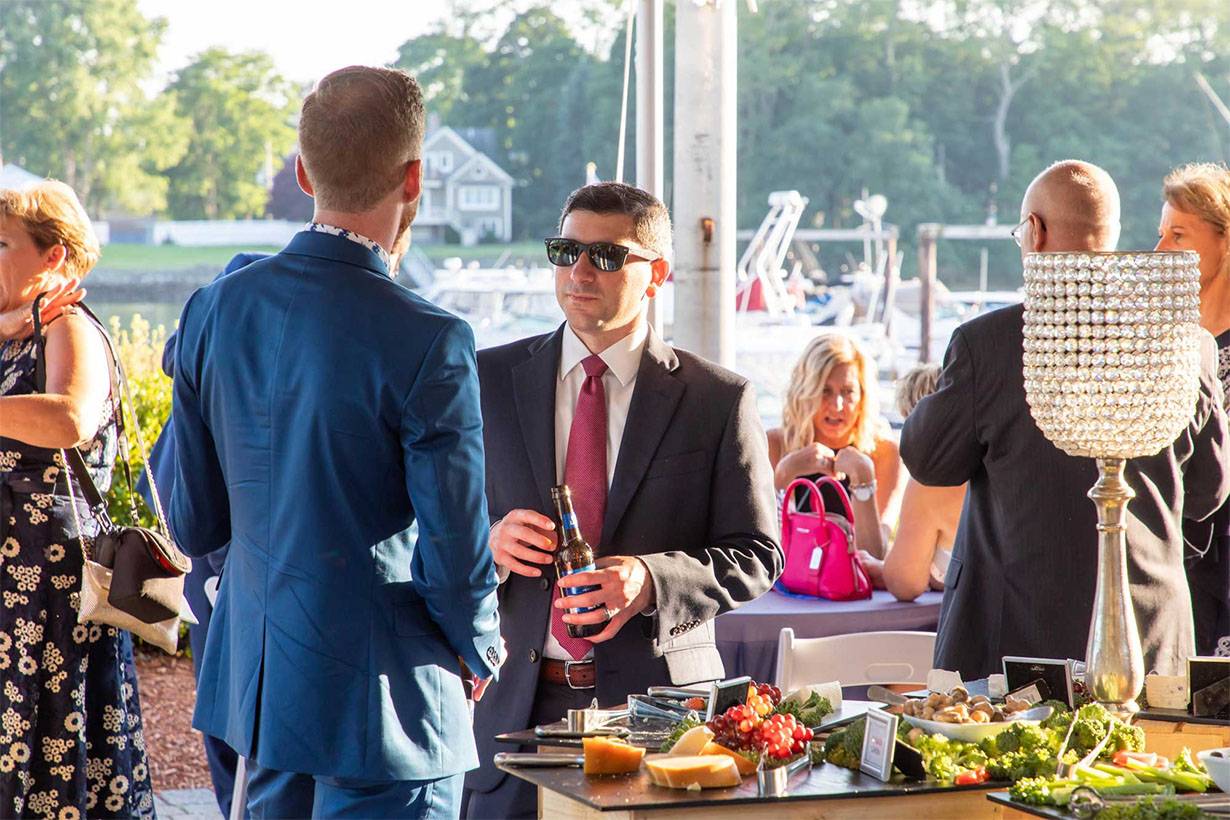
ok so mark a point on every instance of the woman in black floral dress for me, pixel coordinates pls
(71, 744)
(1196, 217)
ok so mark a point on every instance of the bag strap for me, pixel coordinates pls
(841, 494)
(120, 394)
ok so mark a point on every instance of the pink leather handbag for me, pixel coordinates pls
(820, 557)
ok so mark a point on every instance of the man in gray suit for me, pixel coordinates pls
(1024, 564)
(667, 463)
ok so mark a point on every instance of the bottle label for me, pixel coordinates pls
(570, 522)
(568, 591)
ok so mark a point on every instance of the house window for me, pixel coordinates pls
(492, 227)
(478, 197)
(440, 162)
(431, 201)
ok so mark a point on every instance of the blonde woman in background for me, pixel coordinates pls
(1196, 217)
(831, 426)
(927, 526)
(71, 744)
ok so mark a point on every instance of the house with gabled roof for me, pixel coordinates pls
(463, 190)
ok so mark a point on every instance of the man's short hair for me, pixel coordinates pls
(358, 130)
(651, 222)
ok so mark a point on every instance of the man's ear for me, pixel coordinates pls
(660, 269)
(412, 186)
(1038, 232)
(301, 176)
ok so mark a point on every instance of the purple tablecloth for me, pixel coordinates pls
(747, 637)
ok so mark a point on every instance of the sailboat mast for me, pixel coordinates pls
(650, 116)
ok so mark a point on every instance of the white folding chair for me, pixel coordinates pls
(854, 660)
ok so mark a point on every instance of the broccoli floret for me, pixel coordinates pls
(1038, 762)
(1060, 719)
(844, 747)
(1007, 742)
(1123, 736)
(853, 740)
(1087, 732)
(1095, 711)
(990, 746)
(1042, 791)
(1031, 737)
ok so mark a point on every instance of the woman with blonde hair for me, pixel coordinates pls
(831, 426)
(71, 744)
(1196, 217)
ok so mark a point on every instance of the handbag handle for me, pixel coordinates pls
(73, 459)
(817, 503)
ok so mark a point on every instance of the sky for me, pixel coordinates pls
(306, 38)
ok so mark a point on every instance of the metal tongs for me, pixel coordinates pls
(1066, 770)
(775, 782)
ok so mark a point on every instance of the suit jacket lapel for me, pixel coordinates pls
(654, 399)
(534, 383)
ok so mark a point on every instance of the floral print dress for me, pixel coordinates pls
(71, 744)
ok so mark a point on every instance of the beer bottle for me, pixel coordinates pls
(573, 555)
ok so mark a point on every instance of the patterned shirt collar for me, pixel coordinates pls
(371, 244)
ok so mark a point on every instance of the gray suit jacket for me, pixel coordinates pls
(1024, 564)
(692, 496)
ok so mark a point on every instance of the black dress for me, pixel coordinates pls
(71, 744)
(1208, 554)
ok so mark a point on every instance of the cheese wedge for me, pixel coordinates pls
(743, 764)
(692, 741)
(609, 755)
(705, 771)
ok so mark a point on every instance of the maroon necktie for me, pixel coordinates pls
(585, 475)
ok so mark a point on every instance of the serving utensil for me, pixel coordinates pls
(538, 759)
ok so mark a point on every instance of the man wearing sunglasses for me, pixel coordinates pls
(667, 463)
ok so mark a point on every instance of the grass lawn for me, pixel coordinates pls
(526, 249)
(126, 257)
(123, 256)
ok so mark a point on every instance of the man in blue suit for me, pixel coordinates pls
(205, 572)
(320, 410)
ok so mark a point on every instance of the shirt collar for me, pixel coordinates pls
(622, 358)
(358, 238)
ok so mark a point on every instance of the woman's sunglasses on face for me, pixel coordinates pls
(605, 256)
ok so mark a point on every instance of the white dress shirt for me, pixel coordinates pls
(622, 359)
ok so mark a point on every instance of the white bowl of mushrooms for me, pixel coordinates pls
(959, 716)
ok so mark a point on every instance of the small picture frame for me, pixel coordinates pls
(879, 744)
(1209, 679)
(1054, 673)
(725, 694)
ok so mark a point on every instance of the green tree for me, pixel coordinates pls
(242, 114)
(71, 103)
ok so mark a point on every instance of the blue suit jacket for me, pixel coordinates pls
(162, 465)
(319, 410)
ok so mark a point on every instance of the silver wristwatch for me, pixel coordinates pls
(863, 492)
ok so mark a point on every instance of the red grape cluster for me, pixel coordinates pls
(781, 736)
(750, 726)
(734, 727)
(769, 692)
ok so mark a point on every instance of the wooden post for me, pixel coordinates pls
(927, 235)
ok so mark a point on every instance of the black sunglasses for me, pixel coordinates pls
(605, 256)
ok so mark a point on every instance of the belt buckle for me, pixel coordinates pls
(568, 674)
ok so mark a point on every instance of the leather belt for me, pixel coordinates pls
(573, 674)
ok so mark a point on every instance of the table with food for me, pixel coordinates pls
(956, 753)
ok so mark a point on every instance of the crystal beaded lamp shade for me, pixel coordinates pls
(1112, 349)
